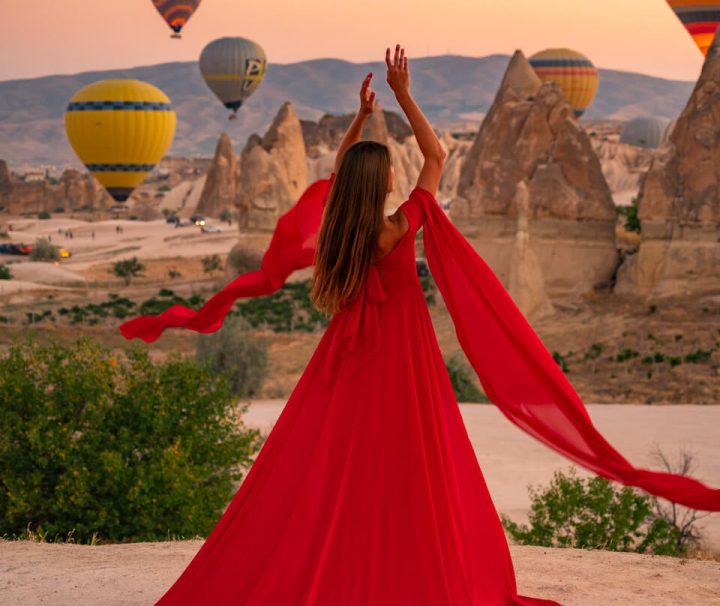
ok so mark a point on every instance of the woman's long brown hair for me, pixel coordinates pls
(351, 223)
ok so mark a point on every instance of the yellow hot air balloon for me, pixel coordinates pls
(574, 73)
(701, 19)
(120, 129)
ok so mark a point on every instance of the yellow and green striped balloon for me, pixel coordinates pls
(574, 73)
(120, 129)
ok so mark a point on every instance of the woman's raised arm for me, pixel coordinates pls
(367, 105)
(398, 77)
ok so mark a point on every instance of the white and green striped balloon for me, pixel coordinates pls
(233, 68)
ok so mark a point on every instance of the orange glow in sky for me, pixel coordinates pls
(41, 37)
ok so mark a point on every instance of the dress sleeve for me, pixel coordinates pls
(416, 207)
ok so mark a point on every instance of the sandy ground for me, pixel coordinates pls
(145, 239)
(138, 574)
(511, 460)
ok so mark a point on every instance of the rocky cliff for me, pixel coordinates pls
(529, 135)
(679, 205)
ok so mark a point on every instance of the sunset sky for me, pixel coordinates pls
(41, 37)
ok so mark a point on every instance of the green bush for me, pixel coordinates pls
(461, 379)
(234, 351)
(44, 250)
(128, 269)
(632, 222)
(5, 272)
(115, 447)
(211, 263)
(285, 310)
(595, 514)
(43, 215)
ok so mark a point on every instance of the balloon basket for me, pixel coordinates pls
(232, 117)
(176, 36)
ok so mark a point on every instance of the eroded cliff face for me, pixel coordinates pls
(679, 205)
(529, 135)
(72, 191)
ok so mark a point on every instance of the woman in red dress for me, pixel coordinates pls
(367, 492)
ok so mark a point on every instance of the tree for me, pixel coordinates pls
(44, 250)
(5, 272)
(211, 264)
(128, 269)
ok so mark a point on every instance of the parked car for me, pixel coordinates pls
(211, 229)
(15, 249)
(198, 219)
(422, 268)
(184, 223)
(172, 219)
(64, 253)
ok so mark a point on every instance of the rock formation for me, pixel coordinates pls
(624, 167)
(273, 172)
(73, 191)
(529, 135)
(221, 185)
(679, 205)
(526, 284)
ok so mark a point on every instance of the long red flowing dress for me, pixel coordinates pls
(367, 491)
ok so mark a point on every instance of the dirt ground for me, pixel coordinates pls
(34, 574)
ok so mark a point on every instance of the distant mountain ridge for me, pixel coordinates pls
(451, 89)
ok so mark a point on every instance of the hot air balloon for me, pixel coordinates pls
(644, 132)
(574, 73)
(120, 129)
(700, 17)
(176, 13)
(233, 68)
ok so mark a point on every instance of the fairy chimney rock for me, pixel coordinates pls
(679, 207)
(285, 144)
(530, 135)
(273, 172)
(220, 189)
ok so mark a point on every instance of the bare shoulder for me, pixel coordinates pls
(396, 226)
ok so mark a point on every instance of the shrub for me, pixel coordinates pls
(128, 269)
(632, 222)
(225, 215)
(242, 260)
(44, 250)
(5, 272)
(234, 351)
(211, 263)
(96, 445)
(43, 215)
(461, 379)
(594, 514)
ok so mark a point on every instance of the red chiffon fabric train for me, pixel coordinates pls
(367, 491)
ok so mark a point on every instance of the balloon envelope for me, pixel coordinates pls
(700, 18)
(572, 71)
(233, 68)
(176, 12)
(120, 129)
(644, 132)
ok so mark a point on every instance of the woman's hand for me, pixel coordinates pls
(398, 74)
(367, 97)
